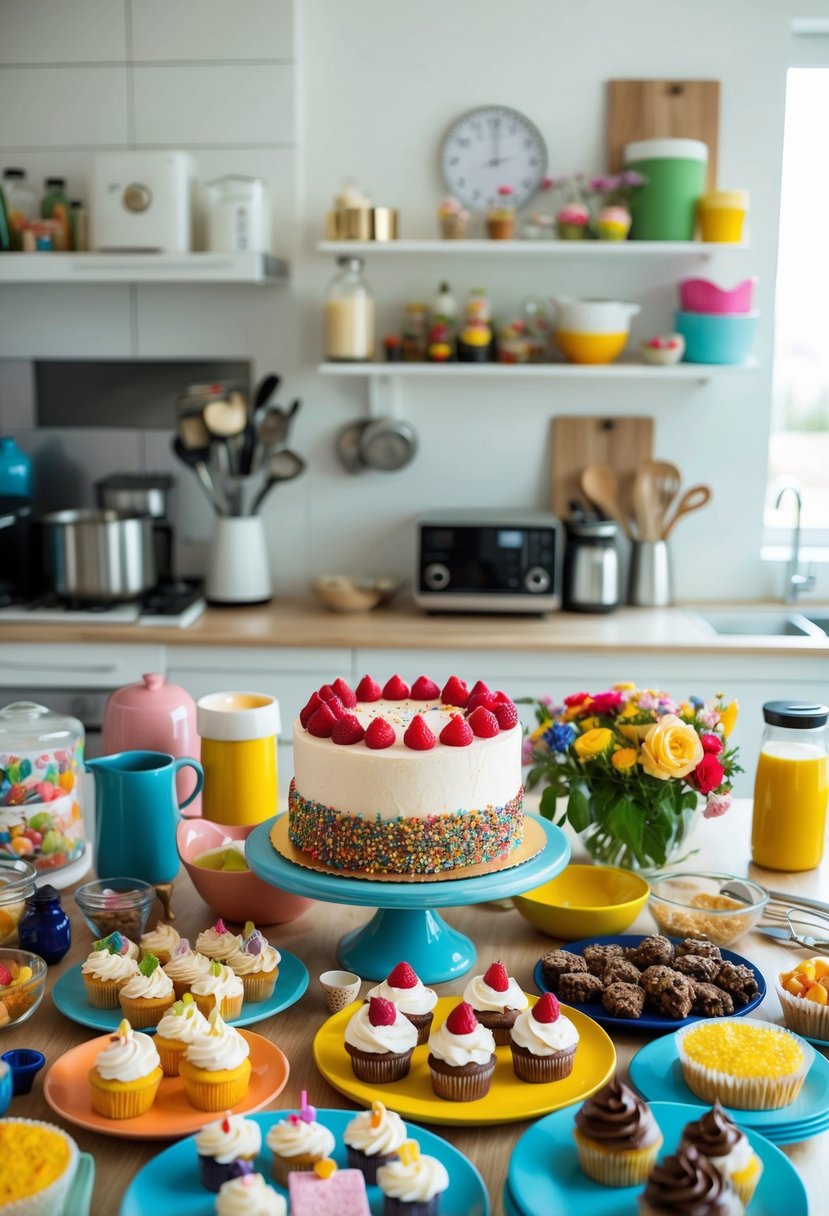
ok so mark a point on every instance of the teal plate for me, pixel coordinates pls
(656, 1072)
(170, 1182)
(544, 1173)
(80, 1192)
(69, 995)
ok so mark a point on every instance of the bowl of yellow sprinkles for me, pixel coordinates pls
(37, 1163)
(749, 1065)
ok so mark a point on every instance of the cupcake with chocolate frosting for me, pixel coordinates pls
(617, 1137)
(719, 1139)
(688, 1182)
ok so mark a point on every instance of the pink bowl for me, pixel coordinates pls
(236, 895)
(701, 295)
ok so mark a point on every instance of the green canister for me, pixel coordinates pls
(665, 207)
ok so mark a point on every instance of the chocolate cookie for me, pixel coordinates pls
(599, 958)
(699, 946)
(711, 1001)
(624, 1000)
(668, 991)
(620, 971)
(655, 951)
(579, 988)
(738, 981)
(556, 963)
(698, 967)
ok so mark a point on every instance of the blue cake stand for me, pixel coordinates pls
(406, 924)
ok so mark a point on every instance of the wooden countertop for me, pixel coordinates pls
(304, 624)
(497, 934)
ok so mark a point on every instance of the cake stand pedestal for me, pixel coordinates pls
(406, 924)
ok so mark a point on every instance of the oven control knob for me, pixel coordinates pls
(436, 576)
(137, 197)
(537, 579)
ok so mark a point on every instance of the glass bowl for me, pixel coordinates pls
(689, 903)
(116, 904)
(19, 1000)
(17, 883)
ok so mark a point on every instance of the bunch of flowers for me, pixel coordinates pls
(634, 765)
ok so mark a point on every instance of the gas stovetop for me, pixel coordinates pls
(174, 605)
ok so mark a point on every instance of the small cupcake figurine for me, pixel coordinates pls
(497, 1000)
(249, 1193)
(406, 990)
(461, 1057)
(372, 1139)
(216, 1067)
(160, 942)
(218, 942)
(453, 219)
(185, 967)
(147, 995)
(222, 1143)
(221, 987)
(613, 223)
(106, 970)
(500, 219)
(298, 1142)
(176, 1031)
(413, 1184)
(256, 963)
(617, 1137)
(126, 1075)
(543, 1043)
(716, 1137)
(380, 1042)
(571, 221)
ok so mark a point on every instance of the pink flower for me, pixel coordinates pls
(647, 702)
(711, 744)
(709, 718)
(547, 183)
(526, 752)
(605, 702)
(716, 805)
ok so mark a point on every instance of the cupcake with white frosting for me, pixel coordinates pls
(185, 967)
(215, 1067)
(256, 962)
(220, 1144)
(380, 1042)
(249, 1195)
(461, 1057)
(220, 988)
(126, 1075)
(406, 990)
(106, 970)
(298, 1142)
(412, 1185)
(543, 1043)
(181, 1024)
(372, 1139)
(218, 942)
(147, 995)
(497, 1000)
(160, 942)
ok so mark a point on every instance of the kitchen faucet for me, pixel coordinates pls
(795, 581)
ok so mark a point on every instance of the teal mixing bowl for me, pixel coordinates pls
(716, 337)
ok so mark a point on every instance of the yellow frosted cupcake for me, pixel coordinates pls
(617, 1137)
(719, 1139)
(106, 970)
(220, 988)
(147, 996)
(218, 942)
(748, 1065)
(178, 1028)
(160, 942)
(256, 963)
(126, 1075)
(185, 967)
(215, 1067)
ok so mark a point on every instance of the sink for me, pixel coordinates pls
(764, 624)
(822, 622)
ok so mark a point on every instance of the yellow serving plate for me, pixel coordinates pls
(508, 1101)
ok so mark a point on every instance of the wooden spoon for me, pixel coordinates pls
(693, 498)
(646, 510)
(667, 480)
(599, 483)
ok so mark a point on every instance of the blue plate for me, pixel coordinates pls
(544, 1174)
(170, 1182)
(656, 1072)
(79, 1198)
(653, 1023)
(69, 994)
(510, 1206)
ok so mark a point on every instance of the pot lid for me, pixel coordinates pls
(152, 694)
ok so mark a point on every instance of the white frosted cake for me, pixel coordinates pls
(401, 780)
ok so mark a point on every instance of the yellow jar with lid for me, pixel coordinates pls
(722, 215)
(791, 789)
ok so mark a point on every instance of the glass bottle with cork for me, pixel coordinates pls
(790, 788)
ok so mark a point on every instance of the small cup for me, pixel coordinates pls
(25, 1064)
(340, 988)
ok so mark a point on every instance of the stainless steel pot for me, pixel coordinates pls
(101, 556)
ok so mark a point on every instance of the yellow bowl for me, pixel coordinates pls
(590, 348)
(585, 901)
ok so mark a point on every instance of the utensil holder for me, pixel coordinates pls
(239, 570)
(650, 582)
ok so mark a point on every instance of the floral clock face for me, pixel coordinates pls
(489, 149)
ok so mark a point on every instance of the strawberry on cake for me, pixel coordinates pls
(399, 779)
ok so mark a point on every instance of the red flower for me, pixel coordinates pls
(708, 774)
(712, 744)
(575, 699)
(605, 702)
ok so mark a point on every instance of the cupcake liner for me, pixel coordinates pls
(142, 1012)
(217, 1091)
(400, 1207)
(213, 1173)
(259, 987)
(615, 1167)
(465, 1084)
(124, 1099)
(802, 1016)
(743, 1093)
(379, 1068)
(368, 1166)
(180, 987)
(500, 1022)
(170, 1052)
(282, 1167)
(538, 1070)
(422, 1023)
(101, 996)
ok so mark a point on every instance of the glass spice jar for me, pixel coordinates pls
(44, 928)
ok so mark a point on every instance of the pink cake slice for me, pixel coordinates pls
(343, 1194)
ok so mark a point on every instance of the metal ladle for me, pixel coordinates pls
(284, 465)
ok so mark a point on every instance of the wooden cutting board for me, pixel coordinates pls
(620, 443)
(663, 109)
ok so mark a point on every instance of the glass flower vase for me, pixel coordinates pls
(610, 850)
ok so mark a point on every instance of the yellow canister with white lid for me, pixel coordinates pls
(722, 215)
(238, 754)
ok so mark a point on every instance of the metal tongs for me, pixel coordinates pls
(810, 930)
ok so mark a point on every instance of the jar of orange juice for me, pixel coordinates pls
(790, 789)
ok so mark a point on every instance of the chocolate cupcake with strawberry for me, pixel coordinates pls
(497, 1000)
(414, 1000)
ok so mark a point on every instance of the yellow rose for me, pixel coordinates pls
(625, 759)
(728, 717)
(671, 748)
(588, 724)
(593, 743)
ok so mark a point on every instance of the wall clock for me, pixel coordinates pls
(490, 147)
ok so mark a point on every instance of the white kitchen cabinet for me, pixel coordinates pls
(82, 665)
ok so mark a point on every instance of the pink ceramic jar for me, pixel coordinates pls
(158, 717)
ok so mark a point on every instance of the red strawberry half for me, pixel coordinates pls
(547, 1009)
(507, 715)
(479, 687)
(454, 692)
(327, 692)
(368, 690)
(418, 736)
(379, 735)
(348, 730)
(381, 1012)
(321, 723)
(487, 699)
(345, 693)
(424, 689)
(496, 977)
(403, 976)
(395, 689)
(457, 732)
(314, 703)
(462, 1019)
(484, 723)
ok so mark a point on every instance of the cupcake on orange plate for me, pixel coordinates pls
(406, 990)
(147, 995)
(461, 1057)
(298, 1142)
(175, 1032)
(160, 942)
(497, 1000)
(380, 1041)
(185, 967)
(256, 963)
(219, 1145)
(106, 970)
(413, 1183)
(218, 942)
(215, 1067)
(372, 1139)
(617, 1137)
(126, 1075)
(719, 1139)
(543, 1043)
(220, 987)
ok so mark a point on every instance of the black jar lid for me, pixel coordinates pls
(801, 715)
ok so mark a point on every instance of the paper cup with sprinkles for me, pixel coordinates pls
(747, 1064)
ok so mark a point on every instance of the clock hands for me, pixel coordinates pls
(496, 161)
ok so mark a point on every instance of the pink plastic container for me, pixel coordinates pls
(701, 295)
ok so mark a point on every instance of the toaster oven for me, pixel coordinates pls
(484, 561)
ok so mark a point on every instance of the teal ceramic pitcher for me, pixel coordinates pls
(137, 812)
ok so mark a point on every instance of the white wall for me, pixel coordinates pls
(375, 86)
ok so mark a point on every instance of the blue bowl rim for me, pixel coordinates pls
(729, 317)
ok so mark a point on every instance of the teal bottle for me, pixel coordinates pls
(15, 470)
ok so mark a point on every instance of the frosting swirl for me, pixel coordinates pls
(477, 1047)
(399, 1037)
(244, 963)
(688, 1183)
(218, 942)
(129, 1056)
(226, 983)
(418, 999)
(218, 1048)
(416, 1182)
(617, 1117)
(229, 1138)
(105, 966)
(480, 996)
(293, 1137)
(184, 1026)
(716, 1137)
(151, 986)
(543, 1038)
(249, 1195)
(185, 964)
(162, 937)
(377, 1132)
